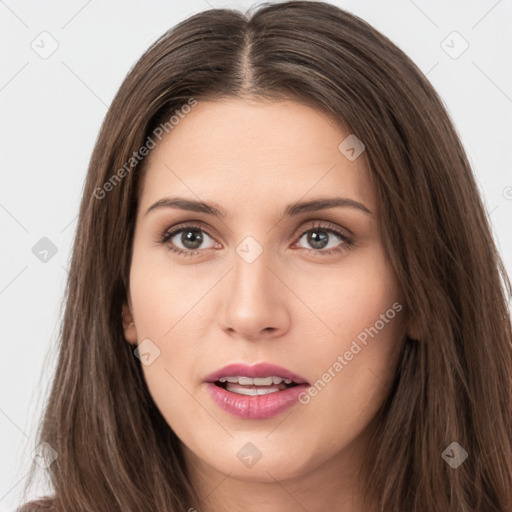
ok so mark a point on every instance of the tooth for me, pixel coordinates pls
(262, 381)
(266, 391)
(258, 381)
(234, 388)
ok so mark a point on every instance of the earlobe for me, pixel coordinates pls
(130, 332)
(413, 331)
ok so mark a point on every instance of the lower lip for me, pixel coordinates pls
(257, 407)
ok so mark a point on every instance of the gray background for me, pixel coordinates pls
(52, 107)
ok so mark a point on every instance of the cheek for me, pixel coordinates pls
(355, 360)
(353, 297)
(164, 294)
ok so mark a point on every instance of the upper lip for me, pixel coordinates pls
(253, 371)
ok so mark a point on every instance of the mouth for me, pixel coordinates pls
(254, 386)
(256, 392)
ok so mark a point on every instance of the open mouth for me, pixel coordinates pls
(247, 386)
(255, 392)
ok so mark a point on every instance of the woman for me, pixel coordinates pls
(284, 293)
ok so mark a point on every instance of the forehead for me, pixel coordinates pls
(247, 150)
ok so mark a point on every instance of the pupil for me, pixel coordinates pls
(318, 242)
(192, 236)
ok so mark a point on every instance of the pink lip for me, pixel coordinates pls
(257, 370)
(260, 406)
(257, 407)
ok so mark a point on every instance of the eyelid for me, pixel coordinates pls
(194, 224)
(328, 226)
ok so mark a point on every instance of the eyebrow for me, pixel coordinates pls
(296, 208)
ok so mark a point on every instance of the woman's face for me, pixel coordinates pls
(268, 282)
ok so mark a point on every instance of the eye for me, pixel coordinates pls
(322, 238)
(190, 237)
(187, 240)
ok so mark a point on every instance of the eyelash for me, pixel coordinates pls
(329, 228)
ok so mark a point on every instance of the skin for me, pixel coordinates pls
(293, 306)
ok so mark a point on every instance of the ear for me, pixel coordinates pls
(130, 332)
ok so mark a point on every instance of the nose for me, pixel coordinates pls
(256, 299)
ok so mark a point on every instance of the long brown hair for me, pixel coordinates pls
(454, 382)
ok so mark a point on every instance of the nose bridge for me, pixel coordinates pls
(251, 276)
(253, 303)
